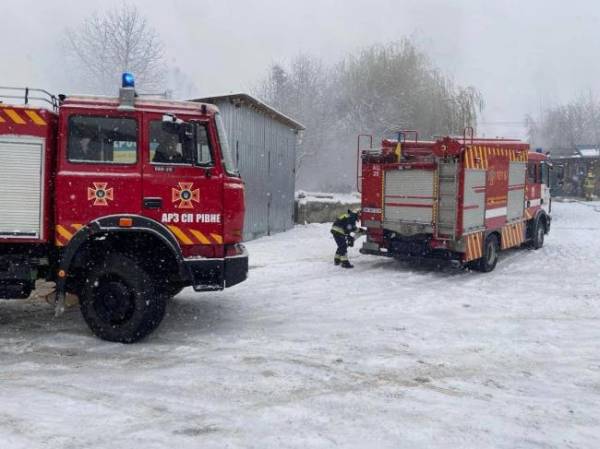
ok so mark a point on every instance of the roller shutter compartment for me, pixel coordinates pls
(21, 187)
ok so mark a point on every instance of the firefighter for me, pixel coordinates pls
(167, 152)
(342, 230)
(84, 150)
(589, 184)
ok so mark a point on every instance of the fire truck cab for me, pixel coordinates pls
(121, 201)
(461, 199)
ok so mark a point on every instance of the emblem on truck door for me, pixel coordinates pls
(186, 195)
(100, 194)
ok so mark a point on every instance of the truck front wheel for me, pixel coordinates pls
(491, 248)
(539, 231)
(119, 301)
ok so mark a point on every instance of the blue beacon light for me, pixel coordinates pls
(128, 80)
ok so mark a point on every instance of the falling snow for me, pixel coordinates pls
(305, 354)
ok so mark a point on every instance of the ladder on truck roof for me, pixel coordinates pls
(28, 94)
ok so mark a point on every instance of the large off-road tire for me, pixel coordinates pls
(491, 249)
(539, 231)
(119, 301)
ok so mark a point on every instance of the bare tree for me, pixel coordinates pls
(303, 92)
(380, 90)
(181, 86)
(120, 40)
(561, 128)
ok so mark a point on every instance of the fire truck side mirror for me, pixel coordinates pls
(189, 130)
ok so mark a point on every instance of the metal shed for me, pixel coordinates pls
(264, 142)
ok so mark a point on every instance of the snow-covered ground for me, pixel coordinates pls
(305, 354)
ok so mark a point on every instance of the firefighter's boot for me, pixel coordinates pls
(347, 264)
(337, 260)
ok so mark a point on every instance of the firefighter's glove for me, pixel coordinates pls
(350, 240)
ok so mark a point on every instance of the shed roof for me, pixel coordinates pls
(588, 151)
(242, 98)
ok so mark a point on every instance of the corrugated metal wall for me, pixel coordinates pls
(266, 153)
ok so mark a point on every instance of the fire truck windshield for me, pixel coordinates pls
(228, 160)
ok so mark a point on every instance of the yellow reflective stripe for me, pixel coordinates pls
(35, 118)
(63, 232)
(399, 150)
(343, 258)
(77, 226)
(14, 117)
(201, 237)
(2, 120)
(180, 235)
(337, 229)
(469, 248)
(217, 238)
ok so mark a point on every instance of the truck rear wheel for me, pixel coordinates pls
(119, 301)
(491, 248)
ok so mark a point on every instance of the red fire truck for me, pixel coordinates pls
(462, 199)
(120, 201)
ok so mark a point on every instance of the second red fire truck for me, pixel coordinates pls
(461, 199)
(121, 201)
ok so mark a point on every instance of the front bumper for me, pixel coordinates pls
(217, 274)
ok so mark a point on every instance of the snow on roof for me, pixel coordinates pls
(322, 197)
(243, 97)
(589, 152)
(139, 101)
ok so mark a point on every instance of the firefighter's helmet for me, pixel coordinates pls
(354, 213)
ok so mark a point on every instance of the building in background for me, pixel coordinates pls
(570, 171)
(264, 143)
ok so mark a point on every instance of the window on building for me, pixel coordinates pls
(106, 140)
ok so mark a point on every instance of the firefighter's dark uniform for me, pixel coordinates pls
(342, 230)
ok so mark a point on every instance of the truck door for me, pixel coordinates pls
(99, 170)
(182, 185)
(545, 188)
(516, 190)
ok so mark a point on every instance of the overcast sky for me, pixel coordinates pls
(520, 54)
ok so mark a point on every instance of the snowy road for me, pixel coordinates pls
(305, 354)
